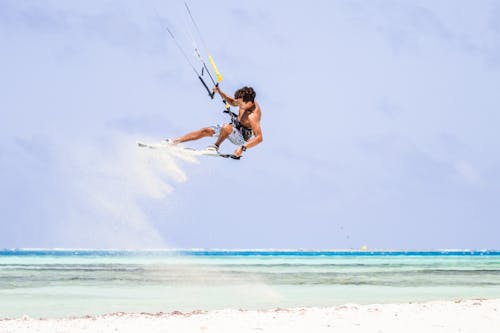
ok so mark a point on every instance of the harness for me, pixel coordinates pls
(245, 131)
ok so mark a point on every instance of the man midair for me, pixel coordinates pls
(244, 131)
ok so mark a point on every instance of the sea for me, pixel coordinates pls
(47, 283)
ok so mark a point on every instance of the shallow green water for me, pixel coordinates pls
(43, 283)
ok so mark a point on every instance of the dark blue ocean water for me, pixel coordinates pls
(308, 253)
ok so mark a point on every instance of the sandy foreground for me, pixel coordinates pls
(443, 316)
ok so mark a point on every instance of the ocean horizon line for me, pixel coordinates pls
(253, 250)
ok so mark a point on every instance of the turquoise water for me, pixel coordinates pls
(47, 283)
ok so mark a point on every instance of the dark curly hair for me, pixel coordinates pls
(246, 93)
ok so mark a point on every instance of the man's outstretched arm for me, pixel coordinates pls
(227, 98)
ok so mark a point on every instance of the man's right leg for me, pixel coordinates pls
(225, 131)
(201, 133)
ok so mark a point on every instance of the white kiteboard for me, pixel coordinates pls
(191, 151)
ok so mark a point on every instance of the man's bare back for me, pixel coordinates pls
(245, 115)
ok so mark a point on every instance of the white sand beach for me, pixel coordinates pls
(478, 315)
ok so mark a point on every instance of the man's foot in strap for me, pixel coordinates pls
(213, 149)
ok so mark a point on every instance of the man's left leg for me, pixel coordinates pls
(196, 135)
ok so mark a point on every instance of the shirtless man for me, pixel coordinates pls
(245, 133)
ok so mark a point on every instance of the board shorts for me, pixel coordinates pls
(236, 136)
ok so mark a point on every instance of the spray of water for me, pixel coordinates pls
(107, 184)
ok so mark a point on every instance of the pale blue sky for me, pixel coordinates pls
(380, 122)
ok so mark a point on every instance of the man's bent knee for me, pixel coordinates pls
(227, 128)
(208, 131)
